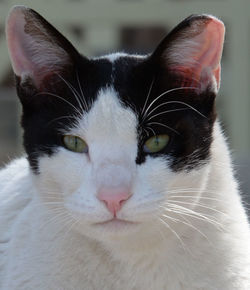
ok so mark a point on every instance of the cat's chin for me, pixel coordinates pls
(111, 231)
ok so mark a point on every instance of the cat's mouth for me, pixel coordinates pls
(116, 224)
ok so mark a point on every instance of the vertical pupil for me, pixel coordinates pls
(76, 142)
(156, 141)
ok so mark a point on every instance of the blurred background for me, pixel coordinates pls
(102, 26)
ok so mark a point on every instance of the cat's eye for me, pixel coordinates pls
(75, 144)
(156, 143)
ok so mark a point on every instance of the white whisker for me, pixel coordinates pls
(151, 130)
(197, 204)
(186, 222)
(59, 118)
(163, 234)
(83, 98)
(168, 111)
(73, 90)
(146, 132)
(148, 95)
(174, 232)
(163, 94)
(194, 214)
(60, 98)
(160, 124)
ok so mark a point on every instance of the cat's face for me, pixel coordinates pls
(111, 140)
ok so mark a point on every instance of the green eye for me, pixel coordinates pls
(74, 143)
(156, 143)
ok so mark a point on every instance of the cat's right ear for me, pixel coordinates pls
(37, 50)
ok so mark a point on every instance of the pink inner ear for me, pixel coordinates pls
(201, 57)
(213, 40)
(15, 38)
(33, 53)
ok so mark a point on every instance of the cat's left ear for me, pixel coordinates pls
(192, 52)
(37, 50)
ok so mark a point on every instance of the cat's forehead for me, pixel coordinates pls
(108, 118)
(128, 75)
(109, 128)
(118, 69)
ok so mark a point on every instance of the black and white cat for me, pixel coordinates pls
(128, 182)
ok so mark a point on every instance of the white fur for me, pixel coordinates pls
(43, 247)
(116, 55)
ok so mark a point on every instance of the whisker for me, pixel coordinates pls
(73, 90)
(168, 111)
(59, 118)
(191, 190)
(194, 214)
(160, 124)
(72, 222)
(197, 204)
(58, 214)
(151, 130)
(171, 218)
(174, 232)
(164, 93)
(181, 109)
(198, 217)
(80, 87)
(163, 104)
(62, 223)
(60, 98)
(187, 223)
(196, 197)
(149, 92)
(146, 132)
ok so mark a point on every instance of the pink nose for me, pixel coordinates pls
(113, 201)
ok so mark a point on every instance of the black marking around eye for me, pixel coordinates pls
(183, 113)
(46, 114)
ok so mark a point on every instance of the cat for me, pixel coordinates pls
(127, 182)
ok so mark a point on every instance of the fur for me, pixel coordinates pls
(183, 225)
(40, 252)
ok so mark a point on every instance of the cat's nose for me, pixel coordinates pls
(113, 199)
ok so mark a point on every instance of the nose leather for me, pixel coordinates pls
(113, 200)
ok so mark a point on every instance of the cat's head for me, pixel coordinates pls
(110, 140)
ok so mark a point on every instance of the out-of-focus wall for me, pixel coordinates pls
(97, 27)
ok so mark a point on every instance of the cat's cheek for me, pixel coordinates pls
(63, 172)
(156, 174)
(150, 190)
(85, 207)
(192, 181)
